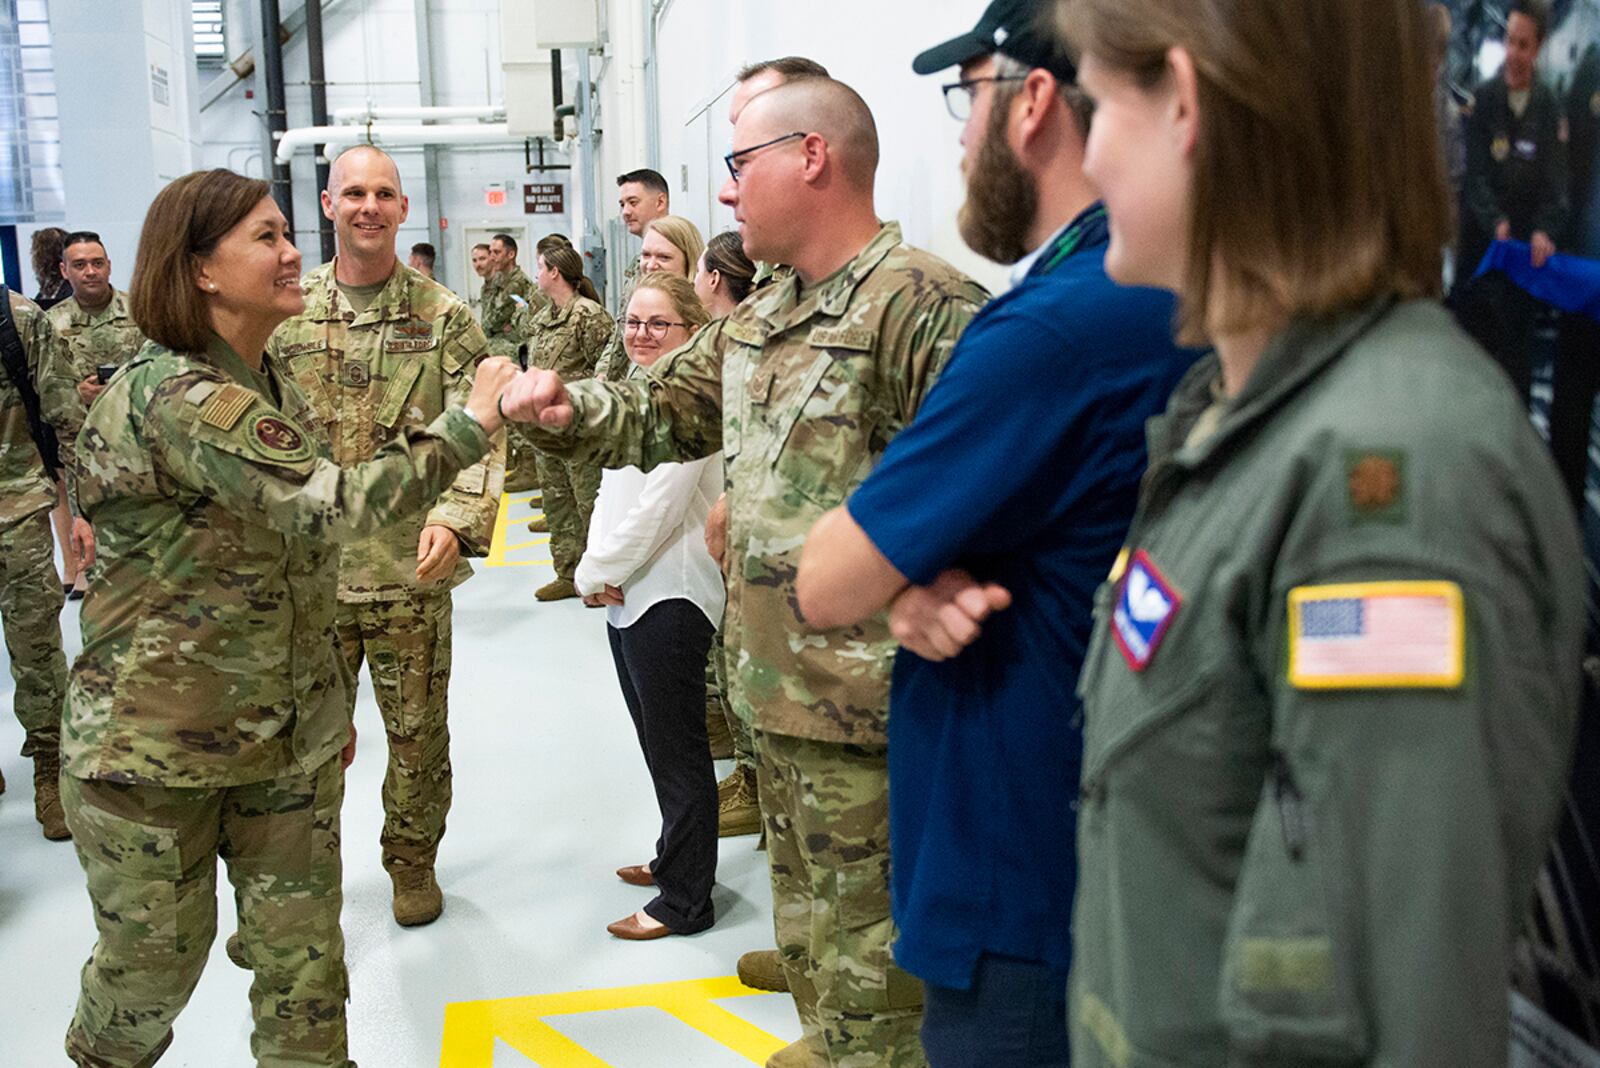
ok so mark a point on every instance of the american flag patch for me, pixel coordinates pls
(1376, 635)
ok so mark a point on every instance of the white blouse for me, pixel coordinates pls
(647, 536)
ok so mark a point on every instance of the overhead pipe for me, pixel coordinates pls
(339, 137)
(592, 243)
(319, 116)
(348, 116)
(277, 115)
(555, 92)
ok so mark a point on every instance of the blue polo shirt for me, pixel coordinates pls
(1022, 467)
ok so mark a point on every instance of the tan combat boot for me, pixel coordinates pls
(417, 897)
(47, 796)
(538, 525)
(739, 812)
(795, 1055)
(717, 732)
(559, 590)
(762, 969)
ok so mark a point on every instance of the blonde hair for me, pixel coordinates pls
(1302, 204)
(683, 235)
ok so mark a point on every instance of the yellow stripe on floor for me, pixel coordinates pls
(471, 1027)
(501, 548)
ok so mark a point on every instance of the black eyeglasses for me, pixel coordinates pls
(959, 96)
(656, 328)
(733, 169)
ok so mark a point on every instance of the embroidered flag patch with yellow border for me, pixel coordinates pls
(1377, 635)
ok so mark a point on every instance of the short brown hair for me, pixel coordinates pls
(185, 222)
(793, 68)
(685, 302)
(1309, 206)
(1537, 11)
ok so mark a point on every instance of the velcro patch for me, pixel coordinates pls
(227, 406)
(1377, 635)
(277, 439)
(1146, 605)
(857, 338)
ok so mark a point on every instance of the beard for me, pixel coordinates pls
(1001, 199)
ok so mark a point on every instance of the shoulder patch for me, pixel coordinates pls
(227, 405)
(1377, 635)
(278, 439)
(1375, 481)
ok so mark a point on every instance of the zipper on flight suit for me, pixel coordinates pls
(1291, 806)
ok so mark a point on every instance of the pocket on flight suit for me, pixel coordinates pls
(401, 664)
(133, 870)
(1288, 977)
(866, 976)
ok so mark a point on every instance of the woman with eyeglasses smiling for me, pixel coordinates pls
(648, 566)
(568, 338)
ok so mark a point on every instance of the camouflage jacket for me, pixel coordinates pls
(802, 394)
(614, 362)
(407, 358)
(107, 336)
(25, 487)
(208, 650)
(500, 309)
(569, 340)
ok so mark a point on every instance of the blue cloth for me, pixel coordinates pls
(1015, 1015)
(1022, 467)
(1571, 283)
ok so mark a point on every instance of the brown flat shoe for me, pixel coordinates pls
(630, 929)
(637, 875)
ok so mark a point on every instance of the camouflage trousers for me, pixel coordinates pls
(150, 854)
(569, 491)
(826, 808)
(406, 646)
(522, 462)
(717, 704)
(30, 613)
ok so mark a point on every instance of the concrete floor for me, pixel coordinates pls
(551, 795)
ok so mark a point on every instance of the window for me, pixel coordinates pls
(210, 43)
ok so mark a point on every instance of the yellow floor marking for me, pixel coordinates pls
(470, 1027)
(499, 547)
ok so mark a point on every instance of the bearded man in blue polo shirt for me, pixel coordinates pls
(1037, 428)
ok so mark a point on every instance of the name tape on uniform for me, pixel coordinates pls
(1377, 635)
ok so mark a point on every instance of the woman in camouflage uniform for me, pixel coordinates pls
(207, 714)
(568, 338)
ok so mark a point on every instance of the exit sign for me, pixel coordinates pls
(495, 196)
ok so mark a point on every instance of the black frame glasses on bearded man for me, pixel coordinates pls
(959, 104)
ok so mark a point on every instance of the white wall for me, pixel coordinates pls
(125, 87)
(868, 45)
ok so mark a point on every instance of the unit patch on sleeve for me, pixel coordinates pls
(1146, 605)
(1377, 635)
(277, 440)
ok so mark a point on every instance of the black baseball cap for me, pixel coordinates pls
(1019, 29)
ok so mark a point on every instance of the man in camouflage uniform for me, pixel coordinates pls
(380, 348)
(642, 198)
(801, 388)
(512, 292)
(30, 589)
(98, 331)
(508, 306)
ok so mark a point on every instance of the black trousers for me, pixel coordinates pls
(661, 663)
(1015, 1014)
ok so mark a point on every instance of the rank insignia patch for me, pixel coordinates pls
(1375, 480)
(1377, 635)
(275, 438)
(1145, 607)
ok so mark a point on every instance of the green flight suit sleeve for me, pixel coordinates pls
(279, 480)
(673, 413)
(472, 503)
(1365, 863)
